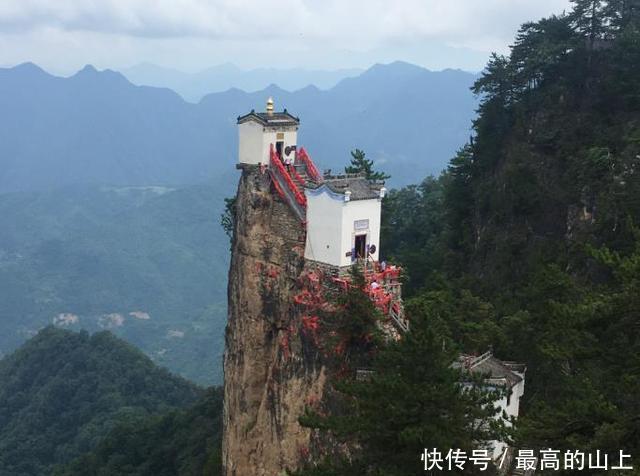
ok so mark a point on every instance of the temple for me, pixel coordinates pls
(298, 233)
(339, 214)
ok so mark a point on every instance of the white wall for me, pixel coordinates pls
(360, 210)
(324, 228)
(250, 142)
(512, 409)
(254, 141)
(270, 137)
(330, 227)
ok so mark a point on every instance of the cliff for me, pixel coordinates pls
(271, 370)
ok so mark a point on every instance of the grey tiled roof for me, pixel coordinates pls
(492, 368)
(275, 119)
(360, 187)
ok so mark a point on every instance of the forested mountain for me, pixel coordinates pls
(96, 127)
(529, 242)
(147, 263)
(62, 392)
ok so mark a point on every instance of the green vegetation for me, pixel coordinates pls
(351, 328)
(182, 442)
(361, 165)
(227, 218)
(413, 222)
(100, 254)
(62, 392)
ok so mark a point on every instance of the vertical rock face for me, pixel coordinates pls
(271, 373)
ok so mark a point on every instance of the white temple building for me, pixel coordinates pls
(341, 213)
(343, 220)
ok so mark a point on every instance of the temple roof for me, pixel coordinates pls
(494, 369)
(360, 187)
(270, 119)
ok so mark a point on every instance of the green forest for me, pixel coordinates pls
(530, 240)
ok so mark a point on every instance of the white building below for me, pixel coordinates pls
(500, 375)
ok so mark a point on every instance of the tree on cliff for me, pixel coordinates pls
(413, 400)
(353, 323)
(361, 165)
(228, 217)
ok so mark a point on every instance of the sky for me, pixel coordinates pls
(191, 35)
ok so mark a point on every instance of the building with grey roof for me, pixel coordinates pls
(501, 375)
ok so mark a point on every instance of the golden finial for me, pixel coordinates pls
(270, 106)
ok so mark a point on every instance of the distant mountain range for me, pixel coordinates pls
(97, 127)
(193, 86)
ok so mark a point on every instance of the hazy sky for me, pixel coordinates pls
(63, 35)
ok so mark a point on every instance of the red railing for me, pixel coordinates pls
(276, 163)
(301, 154)
(382, 295)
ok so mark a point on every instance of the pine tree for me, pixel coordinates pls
(589, 17)
(361, 165)
(623, 13)
(353, 323)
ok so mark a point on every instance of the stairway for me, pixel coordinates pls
(287, 194)
(290, 191)
(290, 181)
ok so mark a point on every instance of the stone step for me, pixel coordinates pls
(289, 197)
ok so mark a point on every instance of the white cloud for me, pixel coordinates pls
(121, 31)
(235, 19)
(153, 18)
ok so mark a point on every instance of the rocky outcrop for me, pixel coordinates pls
(271, 371)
